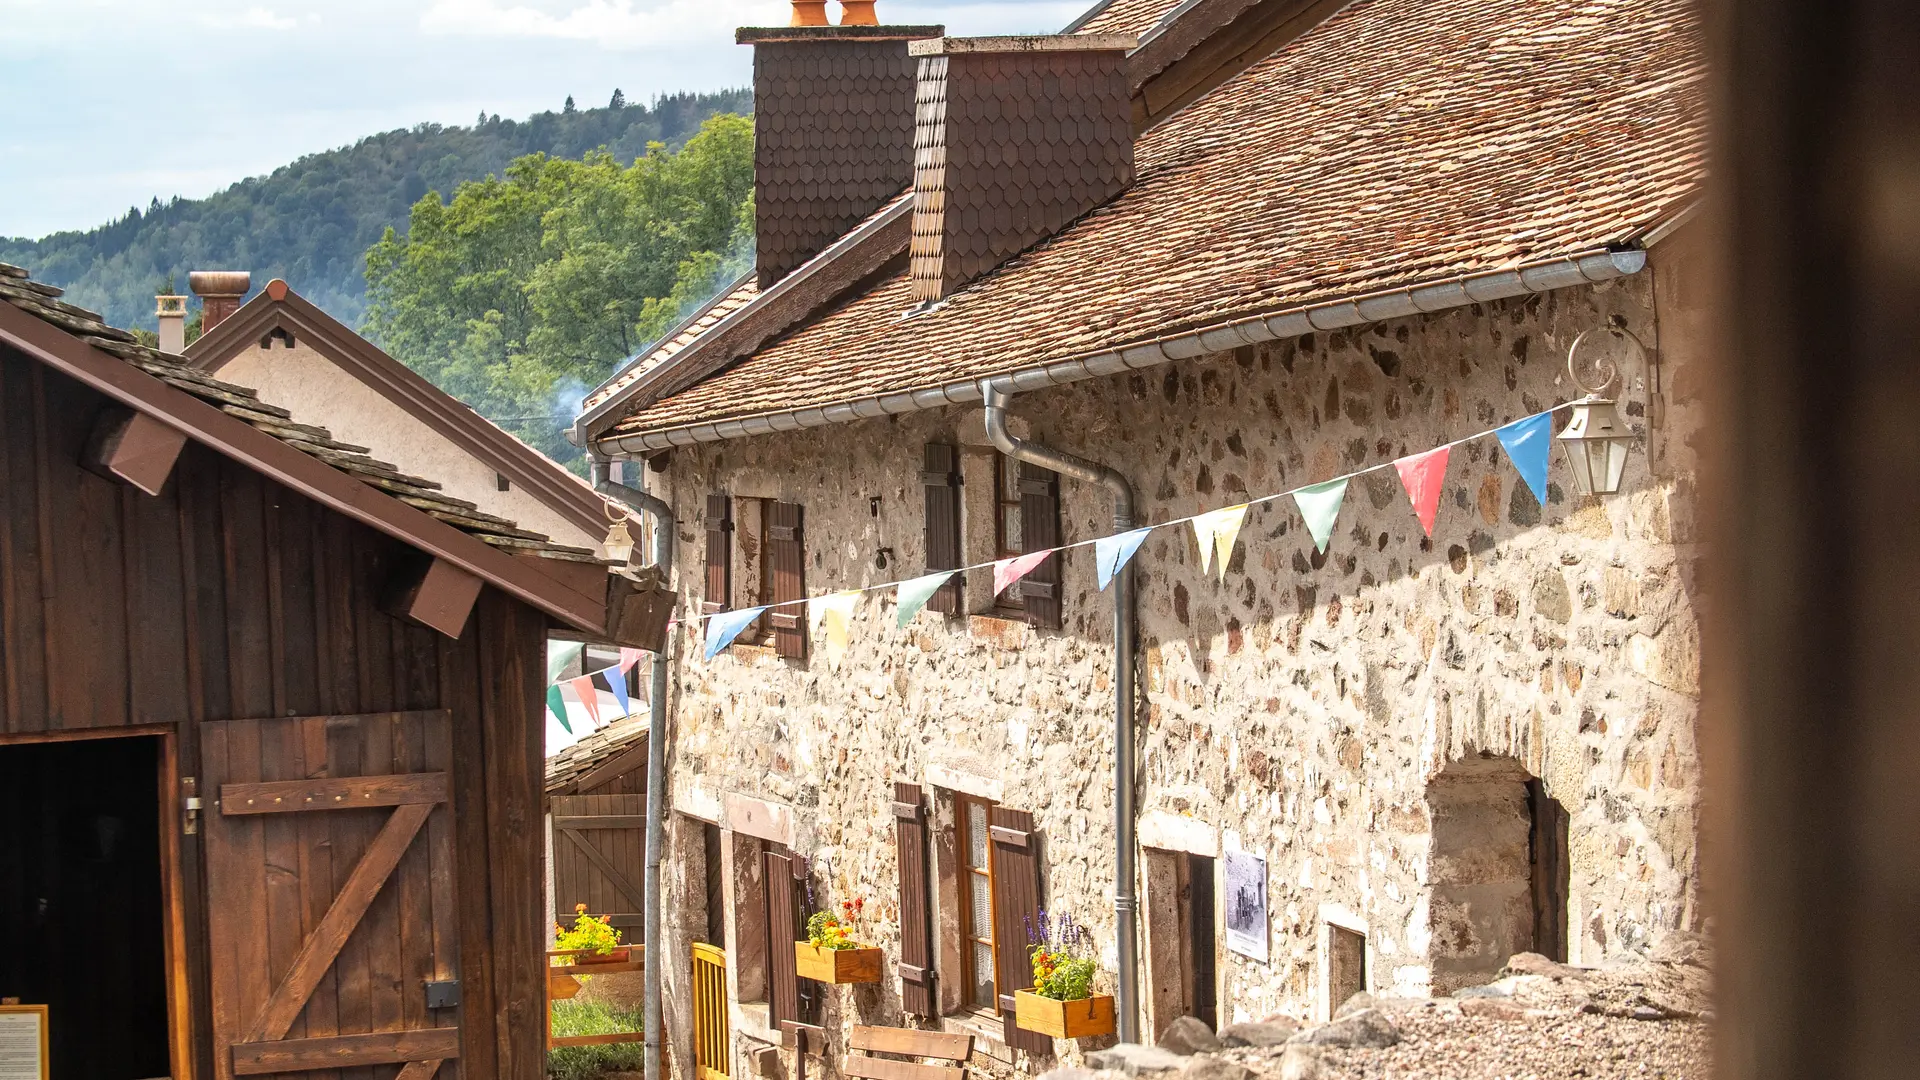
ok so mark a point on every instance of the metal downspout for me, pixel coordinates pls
(654, 958)
(994, 402)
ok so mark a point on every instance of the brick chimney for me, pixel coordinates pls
(220, 293)
(172, 313)
(1015, 138)
(833, 128)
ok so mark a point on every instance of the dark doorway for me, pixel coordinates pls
(81, 914)
(716, 888)
(1200, 937)
(1547, 846)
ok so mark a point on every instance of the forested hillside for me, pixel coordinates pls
(313, 221)
(523, 291)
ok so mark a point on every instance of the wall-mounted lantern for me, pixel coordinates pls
(1596, 438)
(618, 546)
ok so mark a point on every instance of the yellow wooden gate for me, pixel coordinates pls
(710, 1031)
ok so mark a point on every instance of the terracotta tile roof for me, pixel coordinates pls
(43, 301)
(570, 764)
(1400, 142)
(1125, 17)
(679, 338)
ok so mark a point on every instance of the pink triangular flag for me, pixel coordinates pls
(630, 657)
(1008, 571)
(1423, 476)
(589, 696)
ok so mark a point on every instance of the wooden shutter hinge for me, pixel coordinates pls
(909, 811)
(1013, 838)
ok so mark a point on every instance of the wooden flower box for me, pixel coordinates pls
(836, 965)
(621, 954)
(1063, 1019)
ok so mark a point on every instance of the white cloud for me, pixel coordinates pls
(608, 23)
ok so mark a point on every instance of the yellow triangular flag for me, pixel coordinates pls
(832, 613)
(1217, 530)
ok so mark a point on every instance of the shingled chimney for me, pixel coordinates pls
(833, 128)
(220, 293)
(1015, 138)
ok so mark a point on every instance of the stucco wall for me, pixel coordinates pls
(317, 392)
(1300, 709)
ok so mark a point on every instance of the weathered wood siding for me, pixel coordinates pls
(230, 597)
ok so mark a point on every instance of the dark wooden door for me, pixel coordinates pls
(330, 881)
(600, 859)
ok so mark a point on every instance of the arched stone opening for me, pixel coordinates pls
(1497, 871)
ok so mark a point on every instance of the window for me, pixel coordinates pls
(976, 904)
(1008, 536)
(771, 570)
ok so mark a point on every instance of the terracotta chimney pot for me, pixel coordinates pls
(858, 13)
(809, 13)
(220, 293)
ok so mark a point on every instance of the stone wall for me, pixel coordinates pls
(1298, 710)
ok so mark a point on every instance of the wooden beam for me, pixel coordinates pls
(344, 1051)
(348, 793)
(318, 952)
(436, 594)
(523, 578)
(633, 758)
(620, 881)
(419, 1070)
(602, 821)
(133, 447)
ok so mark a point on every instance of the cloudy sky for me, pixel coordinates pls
(112, 102)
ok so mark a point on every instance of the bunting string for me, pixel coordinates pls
(1526, 442)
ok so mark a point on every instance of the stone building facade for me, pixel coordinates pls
(1366, 721)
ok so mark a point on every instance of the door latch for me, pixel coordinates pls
(189, 805)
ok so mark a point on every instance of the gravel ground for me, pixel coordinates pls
(1440, 1041)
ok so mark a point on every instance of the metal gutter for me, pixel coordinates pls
(1601, 264)
(662, 514)
(994, 400)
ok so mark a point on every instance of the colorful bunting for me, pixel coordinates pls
(832, 614)
(589, 696)
(560, 656)
(727, 625)
(1217, 531)
(1423, 475)
(914, 594)
(630, 657)
(1110, 553)
(557, 705)
(1008, 571)
(1527, 442)
(1320, 505)
(615, 680)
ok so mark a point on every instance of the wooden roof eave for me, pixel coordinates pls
(536, 473)
(521, 578)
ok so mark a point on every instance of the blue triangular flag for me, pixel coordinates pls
(616, 683)
(1526, 442)
(1110, 553)
(727, 625)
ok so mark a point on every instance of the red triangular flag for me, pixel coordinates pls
(589, 696)
(1424, 475)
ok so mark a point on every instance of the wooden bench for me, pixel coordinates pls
(906, 1042)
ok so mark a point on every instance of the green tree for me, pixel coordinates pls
(521, 292)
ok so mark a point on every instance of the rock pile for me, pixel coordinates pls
(1539, 1019)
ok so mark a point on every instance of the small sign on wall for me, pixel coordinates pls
(1245, 878)
(23, 1042)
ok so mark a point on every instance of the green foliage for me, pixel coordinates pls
(522, 291)
(312, 221)
(1066, 978)
(573, 1017)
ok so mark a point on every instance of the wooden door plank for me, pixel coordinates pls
(342, 793)
(636, 822)
(322, 1013)
(618, 880)
(342, 916)
(285, 929)
(344, 1051)
(415, 898)
(419, 1070)
(381, 926)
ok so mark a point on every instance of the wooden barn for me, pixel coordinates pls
(597, 826)
(270, 731)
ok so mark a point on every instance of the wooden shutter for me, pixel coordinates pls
(941, 479)
(330, 892)
(719, 554)
(783, 902)
(1016, 909)
(787, 556)
(916, 920)
(1040, 528)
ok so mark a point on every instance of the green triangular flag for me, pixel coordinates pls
(560, 656)
(1320, 504)
(557, 705)
(914, 595)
